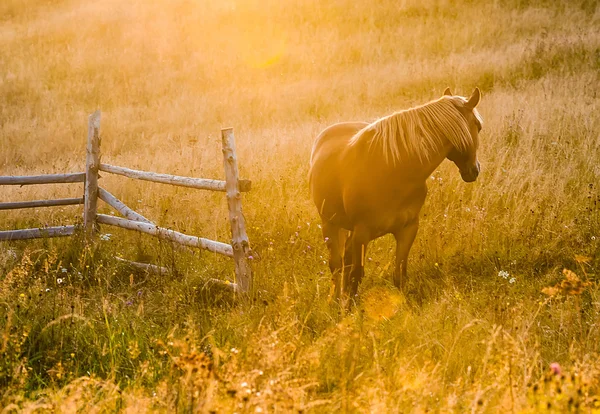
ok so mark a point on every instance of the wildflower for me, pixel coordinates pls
(326, 239)
(250, 257)
(129, 303)
(503, 274)
(555, 368)
(59, 280)
(63, 270)
(570, 285)
(105, 237)
(512, 280)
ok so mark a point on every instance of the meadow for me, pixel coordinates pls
(502, 313)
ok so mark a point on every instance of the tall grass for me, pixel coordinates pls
(79, 330)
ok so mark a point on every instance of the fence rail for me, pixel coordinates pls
(41, 203)
(239, 249)
(198, 183)
(118, 205)
(25, 234)
(43, 179)
(163, 233)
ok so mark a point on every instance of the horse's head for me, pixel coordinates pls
(466, 159)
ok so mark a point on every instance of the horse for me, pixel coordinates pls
(370, 179)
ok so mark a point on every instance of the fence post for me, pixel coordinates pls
(92, 164)
(240, 243)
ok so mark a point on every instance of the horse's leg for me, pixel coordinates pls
(347, 262)
(404, 240)
(357, 247)
(331, 233)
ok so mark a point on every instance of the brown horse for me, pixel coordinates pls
(368, 180)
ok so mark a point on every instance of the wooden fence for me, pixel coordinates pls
(239, 249)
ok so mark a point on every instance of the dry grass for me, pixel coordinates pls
(168, 75)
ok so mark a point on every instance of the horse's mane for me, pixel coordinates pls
(418, 131)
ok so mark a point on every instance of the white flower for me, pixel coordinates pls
(512, 280)
(105, 237)
(59, 280)
(503, 274)
(63, 269)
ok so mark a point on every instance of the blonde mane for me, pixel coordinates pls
(419, 131)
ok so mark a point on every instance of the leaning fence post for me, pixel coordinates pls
(92, 164)
(240, 243)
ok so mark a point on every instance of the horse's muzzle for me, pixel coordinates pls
(470, 174)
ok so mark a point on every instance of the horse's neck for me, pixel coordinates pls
(424, 168)
(434, 162)
(361, 156)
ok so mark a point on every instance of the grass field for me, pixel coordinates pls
(491, 323)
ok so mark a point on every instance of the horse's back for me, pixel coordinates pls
(325, 167)
(333, 139)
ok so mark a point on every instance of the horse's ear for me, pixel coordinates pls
(447, 92)
(474, 99)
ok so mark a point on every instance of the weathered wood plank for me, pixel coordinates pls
(240, 243)
(198, 183)
(25, 234)
(41, 203)
(92, 164)
(225, 283)
(42, 179)
(160, 232)
(118, 205)
(144, 266)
